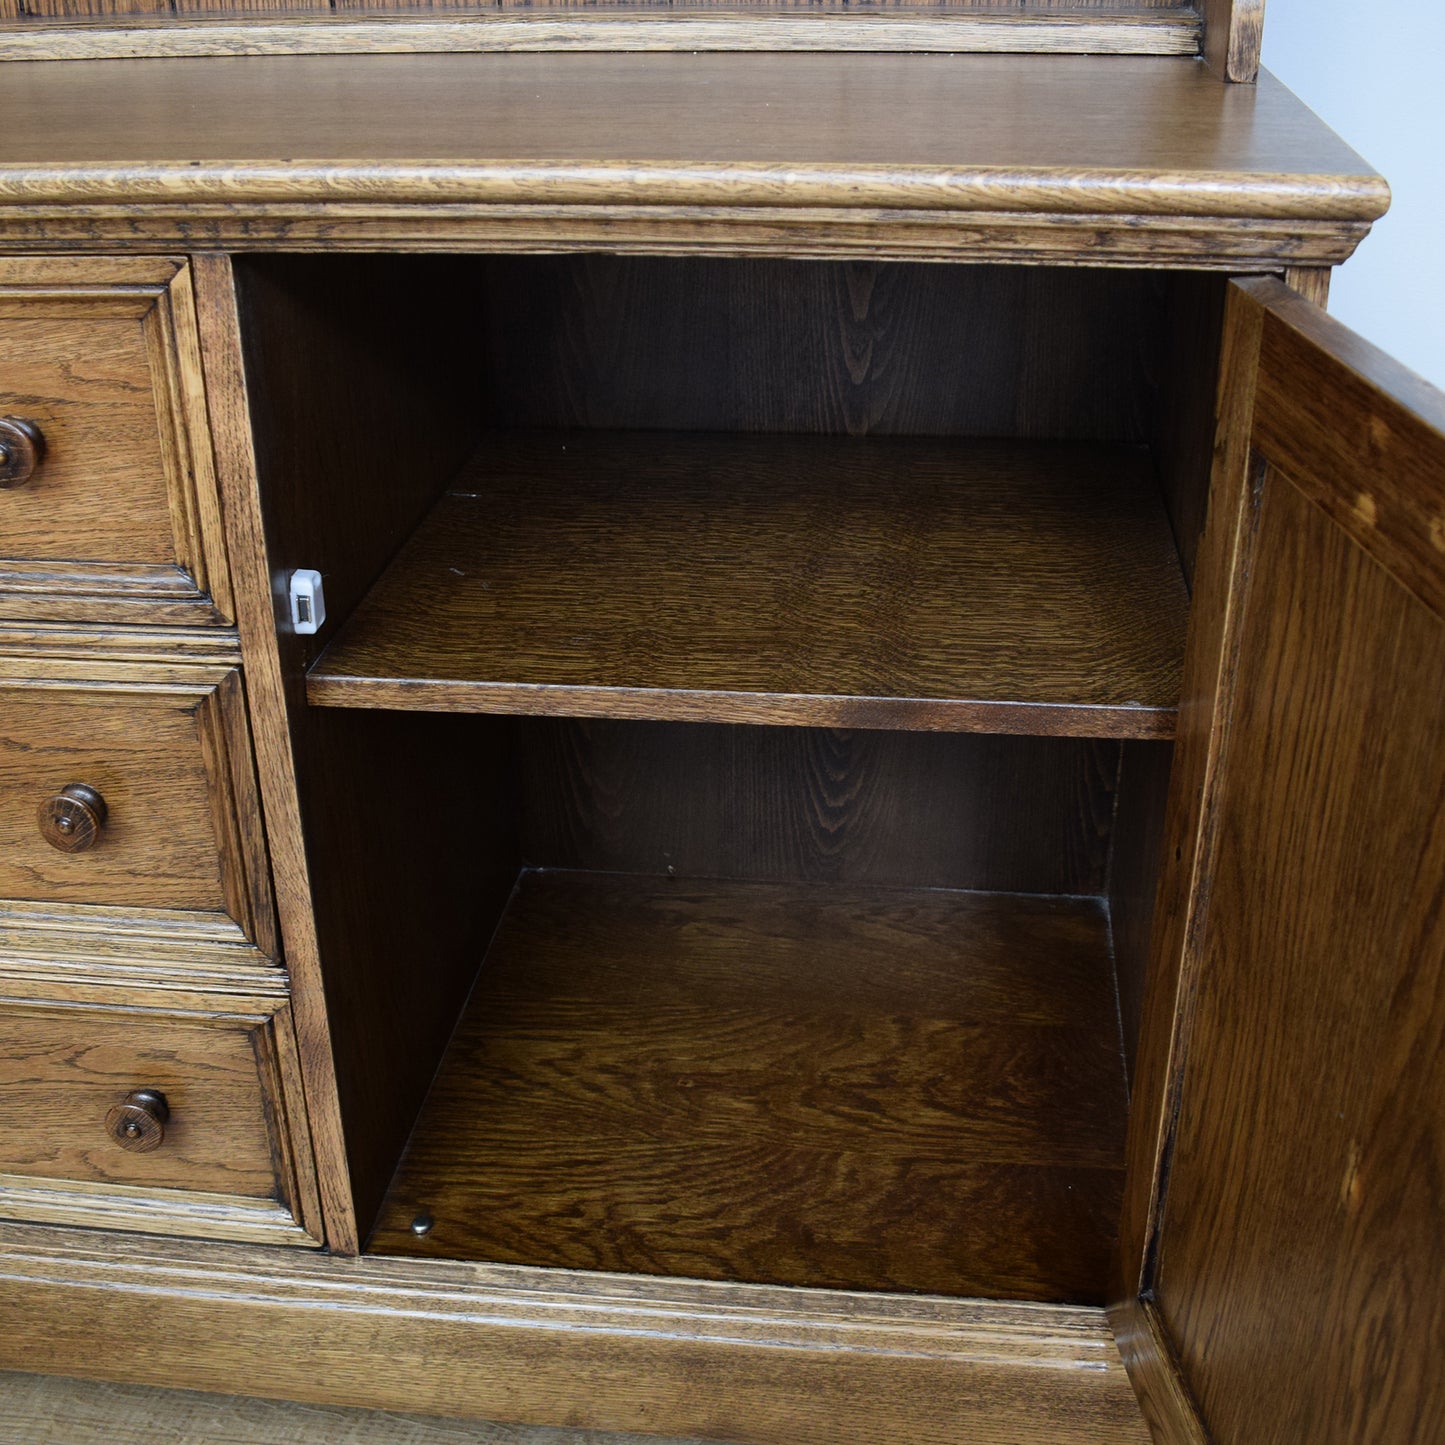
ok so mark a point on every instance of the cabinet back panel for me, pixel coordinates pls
(1007, 814)
(834, 347)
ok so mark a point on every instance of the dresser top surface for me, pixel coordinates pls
(1017, 133)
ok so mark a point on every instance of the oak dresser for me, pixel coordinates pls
(715, 720)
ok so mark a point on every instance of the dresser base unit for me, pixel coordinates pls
(855, 853)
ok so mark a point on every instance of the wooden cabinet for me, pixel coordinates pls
(856, 855)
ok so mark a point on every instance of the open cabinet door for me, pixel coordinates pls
(1284, 1236)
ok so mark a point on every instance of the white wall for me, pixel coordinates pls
(1374, 70)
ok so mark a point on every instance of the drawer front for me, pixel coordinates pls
(107, 492)
(136, 791)
(64, 1073)
(153, 1118)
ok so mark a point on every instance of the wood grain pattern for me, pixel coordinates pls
(313, 1101)
(925, 810)
(119, 522)
(1168, 1406)
(1190, 243)
(938, 585)
(1298, 1228)
(962, 137)
(62, 951)
(1360, 433)
(282, 416)
(171, 758)
(87, 642)
(856, 1088)
(63, 1068)
(770, 1365)
(1301, 1226)
(203, 30)
(1233, 35)
(1191, 814)
(692, 343)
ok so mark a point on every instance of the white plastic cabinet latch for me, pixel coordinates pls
(308, 602)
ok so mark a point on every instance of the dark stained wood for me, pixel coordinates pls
(1117, 157)
(1303, 1220)
(411, 833)
(331, 349)
(934, 122)
(1135, 860)
(22, 449)
(927, 810)
(1182, 438)
(1360, 435)
(862, 348)
(1191, 814)
(1168, 1406)
(1296, 1264)
(109, 508)
(1233, 35)
(759, 1363)
(64, 1069)
(979, 586)
(864, 1088)
(71, 820)
(140, 740)
(312, 1101)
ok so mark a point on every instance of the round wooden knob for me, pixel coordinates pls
(139, 1124)
(73, 818)
(22, 449)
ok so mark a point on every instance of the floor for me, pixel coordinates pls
(39, 1410)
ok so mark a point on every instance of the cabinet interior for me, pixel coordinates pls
(733, 765)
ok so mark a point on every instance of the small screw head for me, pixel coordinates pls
(422, 1224)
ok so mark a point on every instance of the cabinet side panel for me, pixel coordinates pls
(1134, 868)
(360, 418)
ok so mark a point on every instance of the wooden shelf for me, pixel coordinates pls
(888, 583)
(854, 1087)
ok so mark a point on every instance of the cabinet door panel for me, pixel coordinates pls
(1297, 1264)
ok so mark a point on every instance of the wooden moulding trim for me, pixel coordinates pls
(174, 1211)
(1184, 242)
(75, 947)
(908, 714)
(211, 646)
(771, 1365)
(1162, 33)
(1153, 1366)
(170, 1212)
(1059, 191)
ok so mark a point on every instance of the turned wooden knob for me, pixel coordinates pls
(73, 818)
(139, 1124)
(22, 449)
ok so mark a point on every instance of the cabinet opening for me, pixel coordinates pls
(734, 760)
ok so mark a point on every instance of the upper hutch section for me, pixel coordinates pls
(1224, 32)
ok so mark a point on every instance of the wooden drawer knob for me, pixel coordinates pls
(139, 1124)
(73, 818)
(22, 449)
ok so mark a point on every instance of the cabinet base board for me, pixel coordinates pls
(760, 1363)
